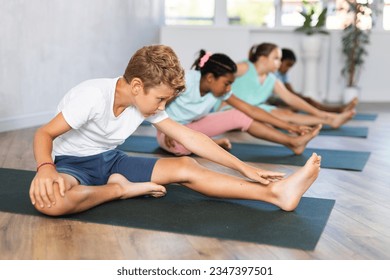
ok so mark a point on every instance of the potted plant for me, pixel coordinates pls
(355, 38)
(309, 13)
(313, 28)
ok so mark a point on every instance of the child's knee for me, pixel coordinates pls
(61, 207)
(244, 121)
(188, 161)
(54, 210)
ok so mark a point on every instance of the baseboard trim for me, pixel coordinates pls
(25, 121)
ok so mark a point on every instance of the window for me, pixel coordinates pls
(338, 16)
(189, 12)
(264, 13)
(386, 14)
(251, 12)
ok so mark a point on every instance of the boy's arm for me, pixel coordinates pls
(260, 115)
(295, 101)
(290, 88)
(41, 189)
(203, 146)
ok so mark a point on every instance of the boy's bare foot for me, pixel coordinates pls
(338, 120)
(130, 189)
(224, 143)
(298, 144)
(288, 192)
(351, 105)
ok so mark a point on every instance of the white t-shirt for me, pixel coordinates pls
(88, 109)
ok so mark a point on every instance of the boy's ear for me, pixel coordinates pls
(137, 86)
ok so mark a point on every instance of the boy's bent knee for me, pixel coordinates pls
(55, 210)
(50, 211)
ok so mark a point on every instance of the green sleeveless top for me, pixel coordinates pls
(248, 87)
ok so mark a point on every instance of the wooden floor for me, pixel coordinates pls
(358, 228)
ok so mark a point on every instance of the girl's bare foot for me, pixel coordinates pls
(130, 189)
(288, 192)
(299, 143)
(338, 120)
(224, 143)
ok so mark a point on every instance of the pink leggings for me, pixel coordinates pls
(212, 125)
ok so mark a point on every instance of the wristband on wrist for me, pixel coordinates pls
(45, 163)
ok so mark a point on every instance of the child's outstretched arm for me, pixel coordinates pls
(297, 102)
(41, 188)
(290, 88)
(260, 115)
(203, 146)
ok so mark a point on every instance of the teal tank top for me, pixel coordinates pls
(248, 87)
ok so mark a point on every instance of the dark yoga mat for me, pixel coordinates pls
(333, 159)
(188, 212)
(365, 117)
(347, 131)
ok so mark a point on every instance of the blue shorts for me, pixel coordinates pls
(95, 170)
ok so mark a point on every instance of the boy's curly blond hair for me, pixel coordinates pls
(156, 65)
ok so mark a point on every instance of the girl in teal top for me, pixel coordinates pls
(255, 83)
(210, 83)
(251, 85)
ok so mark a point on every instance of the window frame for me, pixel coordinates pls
(221, 18)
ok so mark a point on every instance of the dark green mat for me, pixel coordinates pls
(365, 117)
(346, 131)
(187, 212)
(334, 159)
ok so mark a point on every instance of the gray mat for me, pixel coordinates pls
(275, 154)
(365, 117)
(345, 131)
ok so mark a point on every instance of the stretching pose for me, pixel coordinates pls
(256, 82)
(287, 61)
(211, 81)
(98, 115)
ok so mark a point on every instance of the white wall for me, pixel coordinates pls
(48, 46)
(188, 41)
(235, 42)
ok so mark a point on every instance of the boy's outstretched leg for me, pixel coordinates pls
(290, 190)
(285, 193)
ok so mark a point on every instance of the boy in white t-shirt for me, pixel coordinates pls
(98, 115)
